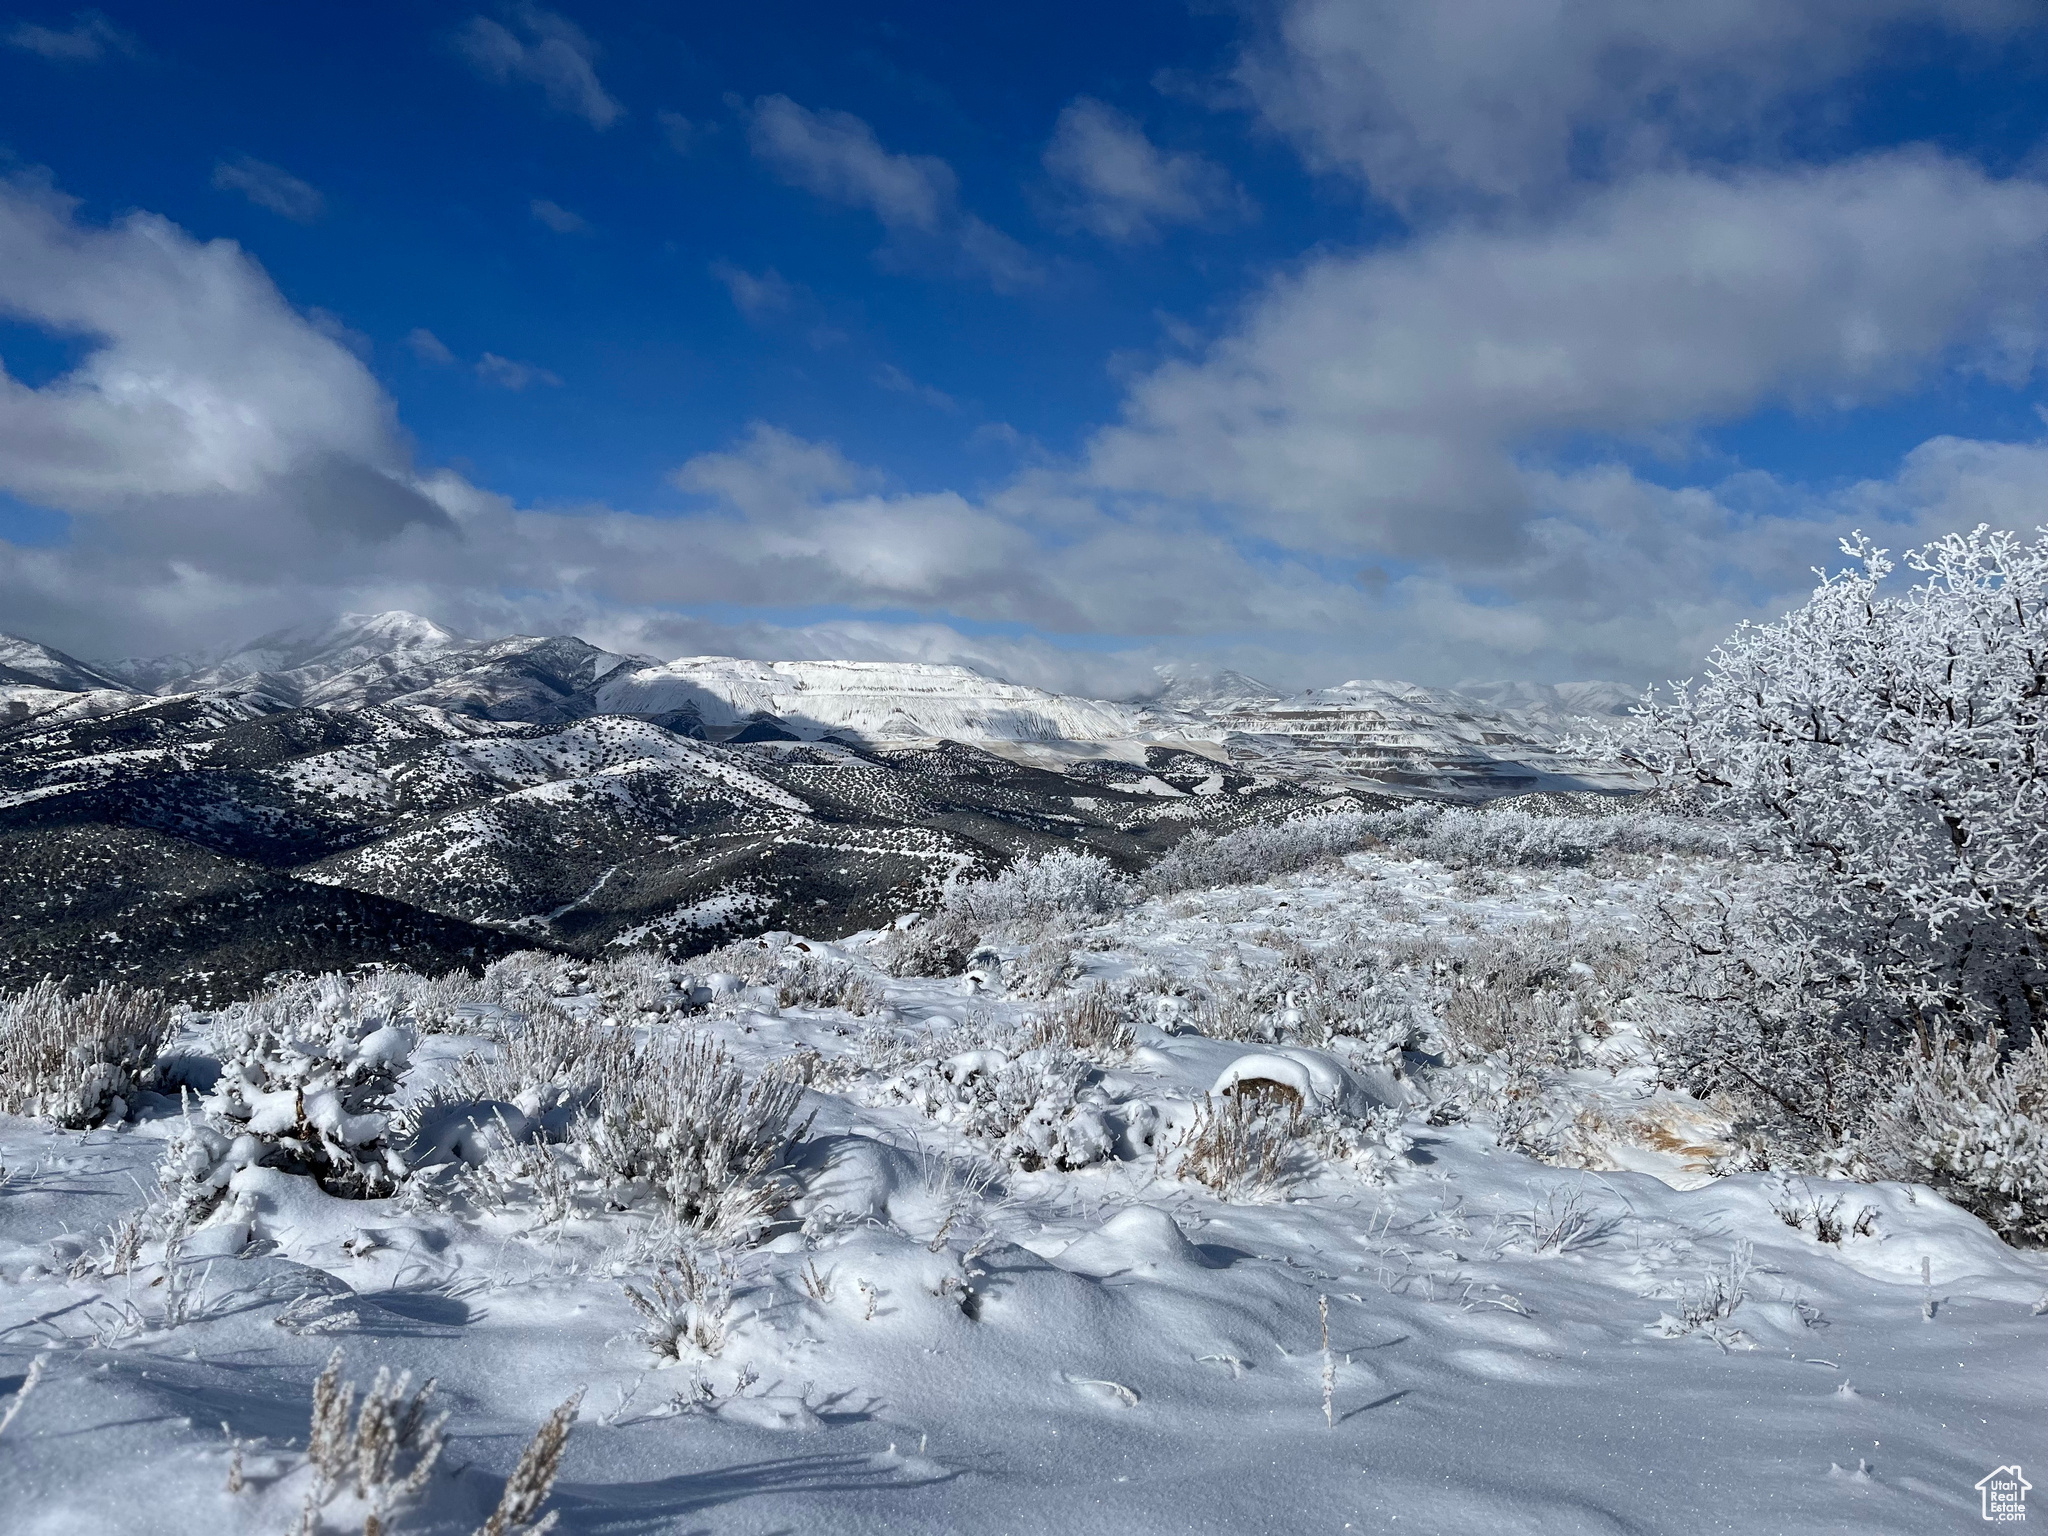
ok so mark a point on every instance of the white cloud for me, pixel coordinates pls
(89, 38)
(1384, 403)
(229, 467)
(1515, 98)
(558, 218)
(896, 381)
(491, 368)
(203, 379)
(503, 371)
(428, 347)
(554, 54)
(1122, 186)
(755, 294)
(836, 156)
(272, 187)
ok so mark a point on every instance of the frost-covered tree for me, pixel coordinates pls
(1895, 742)
(1884, 1008)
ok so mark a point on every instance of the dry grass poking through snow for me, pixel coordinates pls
(1090, 1023)
(77, 1058)
(384, 1459)
(1242, 1145)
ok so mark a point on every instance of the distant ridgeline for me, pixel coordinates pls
(383, 790)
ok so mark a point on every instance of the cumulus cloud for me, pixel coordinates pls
(270, 186)
(1387, 402)
(1507, 99)
(836, 156)
(1119, 184)
(202, 380)
(89, 38)
(544, 49)
(228, 466)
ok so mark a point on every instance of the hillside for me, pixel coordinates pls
(382, 788)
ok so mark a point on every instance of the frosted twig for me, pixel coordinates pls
(532, 1480)
(28, 1385)
(1329, 1367)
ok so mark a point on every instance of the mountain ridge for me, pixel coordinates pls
(383, 789)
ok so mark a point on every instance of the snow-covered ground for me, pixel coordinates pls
(946, 1330)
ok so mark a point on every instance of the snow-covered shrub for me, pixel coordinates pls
(1064, 880)
(1502, 835)
(305, 1084)
(1241, 1145)
(686, 1126)
(542, 1057)
(1203, 859)
(1091, 1024)
(518, 1512)
(1030, 1105)
(754, 962)
(1239, 1012)
(1046, 965)
(1754, 1005)
(1973, 1122)
(77, 1058)
(638, 984)
(1896, 744)
(935, 944)
(563, 1113)
(685, 1306)
(816, 983)
(1713, 1298)
(1513, 1007)
(1510, 1013)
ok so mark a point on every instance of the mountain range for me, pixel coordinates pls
(384, 790)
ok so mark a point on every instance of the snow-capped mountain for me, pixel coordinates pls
(863, 700)
(205, 839)
(1562, 703)
(1494, 738)
(1198, 688)
(23, 663)
(290, 663)
(383, 788)
(1386, 735)
(40, 683)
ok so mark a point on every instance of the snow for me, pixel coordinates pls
(872, 701)
(291, 661)
(1498, 738)
(939, 1342)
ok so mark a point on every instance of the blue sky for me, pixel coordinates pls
(1492, 338)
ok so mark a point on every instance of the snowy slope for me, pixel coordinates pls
(538, 679)
(290, 663)
(1369, 733)
(1556, 703)
(24, 663)
(1360, 736)
(938, 1340)
(866, 701)
(184, 840)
